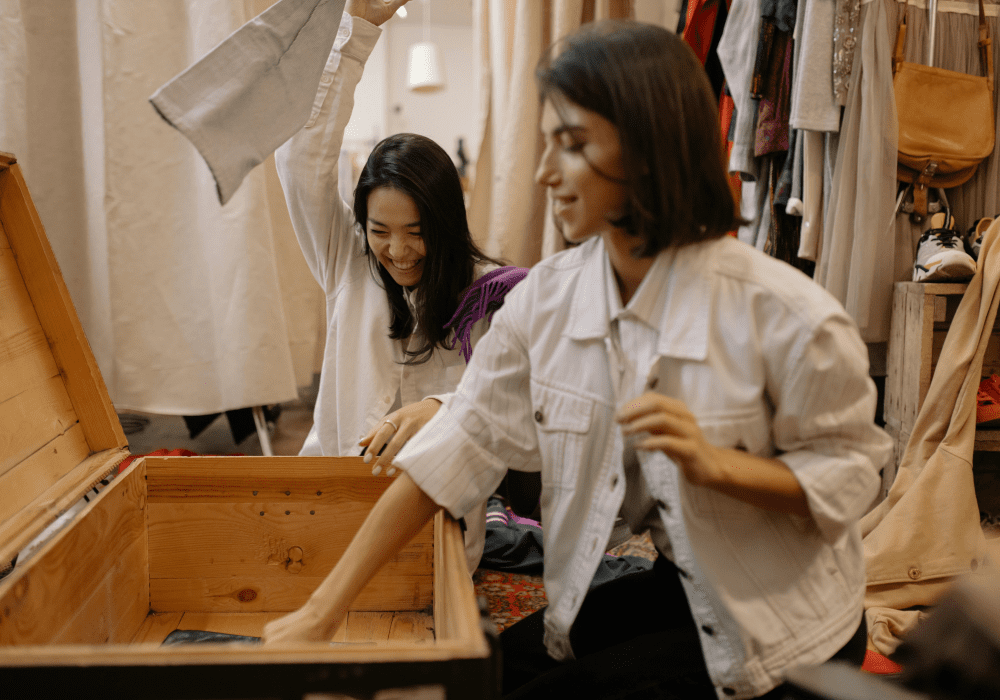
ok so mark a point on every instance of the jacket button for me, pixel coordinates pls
(707, 630)
(538, 416)
(914, 573)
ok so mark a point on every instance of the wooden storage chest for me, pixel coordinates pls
(208, 543)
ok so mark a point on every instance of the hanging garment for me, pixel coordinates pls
(926, 532)
(814, 105)
(254, 90)
(190, 307)
(739, 40)
(858, 237)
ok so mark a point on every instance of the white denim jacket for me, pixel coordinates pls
(362, 371)
(766, 360)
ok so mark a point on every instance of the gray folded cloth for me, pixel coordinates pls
(253, 91)
(201, 637)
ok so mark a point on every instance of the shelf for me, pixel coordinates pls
(988, 440)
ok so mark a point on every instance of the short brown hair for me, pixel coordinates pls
(649, 84)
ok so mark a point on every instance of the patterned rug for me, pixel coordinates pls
(510, 597)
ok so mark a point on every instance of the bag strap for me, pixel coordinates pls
(897, 54)
(985, 47)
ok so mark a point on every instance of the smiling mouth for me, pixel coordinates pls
(561, 203)
(404, 266)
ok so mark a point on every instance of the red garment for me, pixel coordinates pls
(699, 26)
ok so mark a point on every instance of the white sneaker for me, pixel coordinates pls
(941, 254)
(974, 236)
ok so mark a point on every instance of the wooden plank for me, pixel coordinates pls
(25, 357)
(37, 598)
(156, 627)
(19, 529)
(988, 440)
(247, 624)
(31, 477)
(926, 366)
(456, 614)
(365, 627)
(290, 539)
(261, 479)
(894, 383)
(416, 627)
(118, 606)
(33, 419)
(57, 315)
(153, 656)
(284, 594)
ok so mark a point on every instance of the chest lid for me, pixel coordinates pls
(59, 433)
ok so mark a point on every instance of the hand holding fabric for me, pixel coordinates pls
(764, 482)
(672, 429)
(375, 11)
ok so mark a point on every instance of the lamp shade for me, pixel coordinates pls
(425, 73)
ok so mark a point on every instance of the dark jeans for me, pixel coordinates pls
(634, 637)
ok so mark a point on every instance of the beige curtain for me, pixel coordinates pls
(507, 210)
(190, 307)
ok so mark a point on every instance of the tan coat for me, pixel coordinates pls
(927, 531)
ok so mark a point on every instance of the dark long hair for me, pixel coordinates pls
(650, 85)
(418, 167)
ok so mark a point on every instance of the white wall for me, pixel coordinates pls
(443, 115)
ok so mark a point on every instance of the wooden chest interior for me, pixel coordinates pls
(221, 544)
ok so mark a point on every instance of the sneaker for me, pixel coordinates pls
(988, 403)
(974, 236)
(940, 255)
(496, 512)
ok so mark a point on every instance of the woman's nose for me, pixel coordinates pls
(398, 245)
(547, 173)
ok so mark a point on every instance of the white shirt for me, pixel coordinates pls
(765, 359)
(362, 374)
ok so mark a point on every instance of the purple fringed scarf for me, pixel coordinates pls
(484, 296)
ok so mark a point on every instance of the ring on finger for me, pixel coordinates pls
(394, 426)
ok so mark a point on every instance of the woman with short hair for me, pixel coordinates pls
(666, 373)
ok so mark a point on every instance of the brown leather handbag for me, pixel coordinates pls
(946, 120)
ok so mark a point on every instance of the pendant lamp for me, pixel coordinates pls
(425, 72)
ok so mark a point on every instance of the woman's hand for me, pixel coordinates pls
(303, 625)
(673, 429)
(393, 432)
(764, 482)
(375, 11)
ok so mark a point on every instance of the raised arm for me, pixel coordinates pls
(308, 163)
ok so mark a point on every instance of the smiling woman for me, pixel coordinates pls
(410, 205)
(394, 264)
(396, 244)
(664, 373)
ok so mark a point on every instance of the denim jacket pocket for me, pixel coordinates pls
(563, 421)
(747, 429)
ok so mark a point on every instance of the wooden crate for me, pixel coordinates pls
(221, 544)
(921, 317)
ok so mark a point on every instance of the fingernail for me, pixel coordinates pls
(390, 471)
(376, 470)
(368, 458)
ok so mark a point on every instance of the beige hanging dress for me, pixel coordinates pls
(927, 531)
